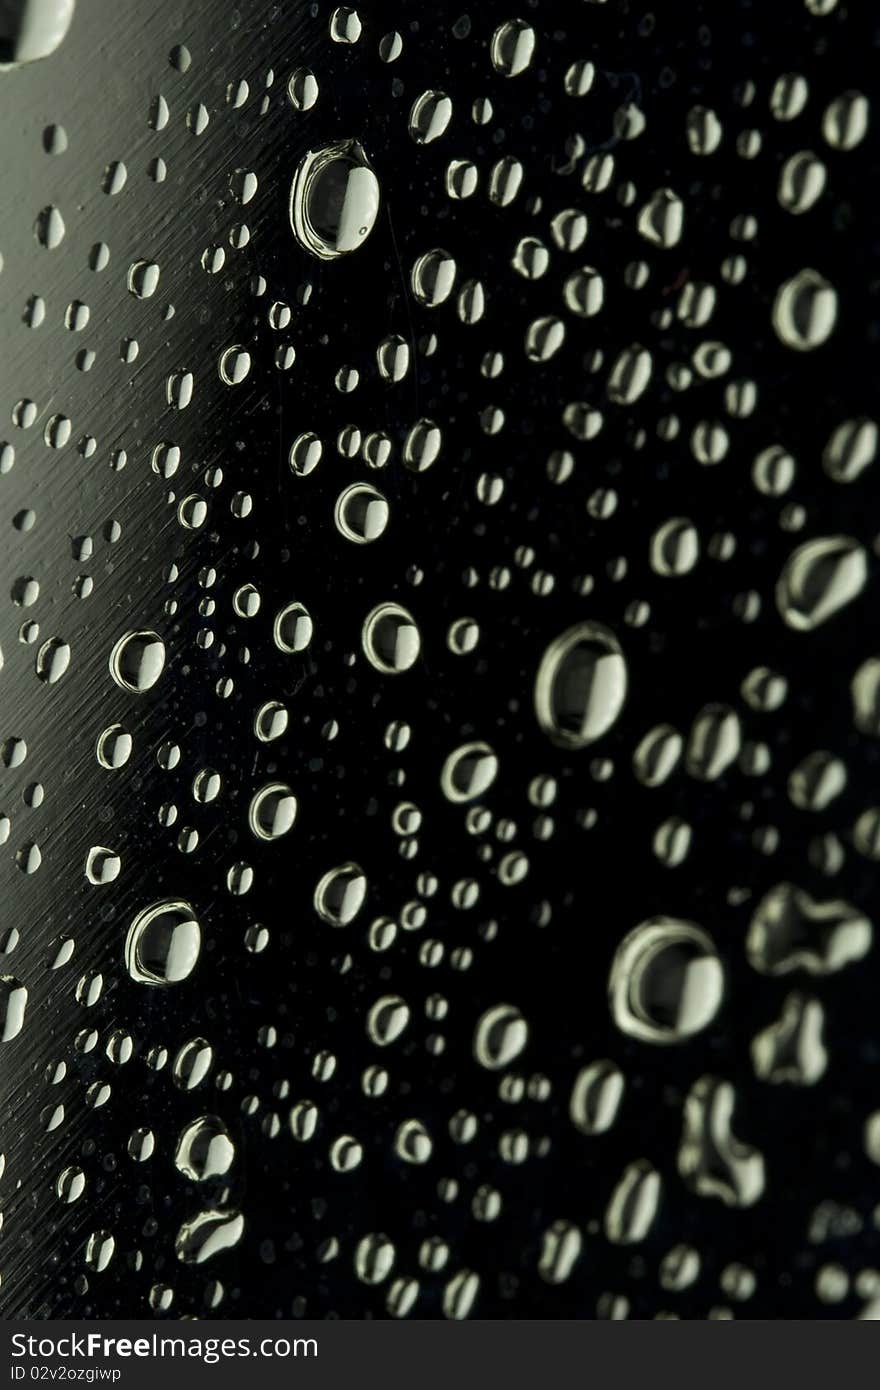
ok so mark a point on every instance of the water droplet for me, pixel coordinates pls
(666, 982)
(334, 200)
(292, 629)
(137, 661)
(430, 117)
(581, 685)
(513, 47)
(818, 579)
(52, 661)
(391, 639)
(500, 1036)
(361, 513)
(469, 772)
(163, 944)
(272, 811)
(13, 1003)
(340, 894)
(805, 311)
(204, 1149)
(234, 365)
(143, 279)
(208, 1234)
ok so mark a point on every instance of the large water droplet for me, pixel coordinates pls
(820, 578)
(204, 1149)
(334, 200)
(163, 944)
(666, 981)
(137, 661)
(580, 686)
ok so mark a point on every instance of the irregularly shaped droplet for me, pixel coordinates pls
(791, 1050)
(207, 1235)
(711, 1160)
(790, 931)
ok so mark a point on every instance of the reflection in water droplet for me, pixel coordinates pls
(666, 981)
(581, 685)
(820, 578)
(334, 200)
(137, 661)
(163, 944)
(391, 639)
